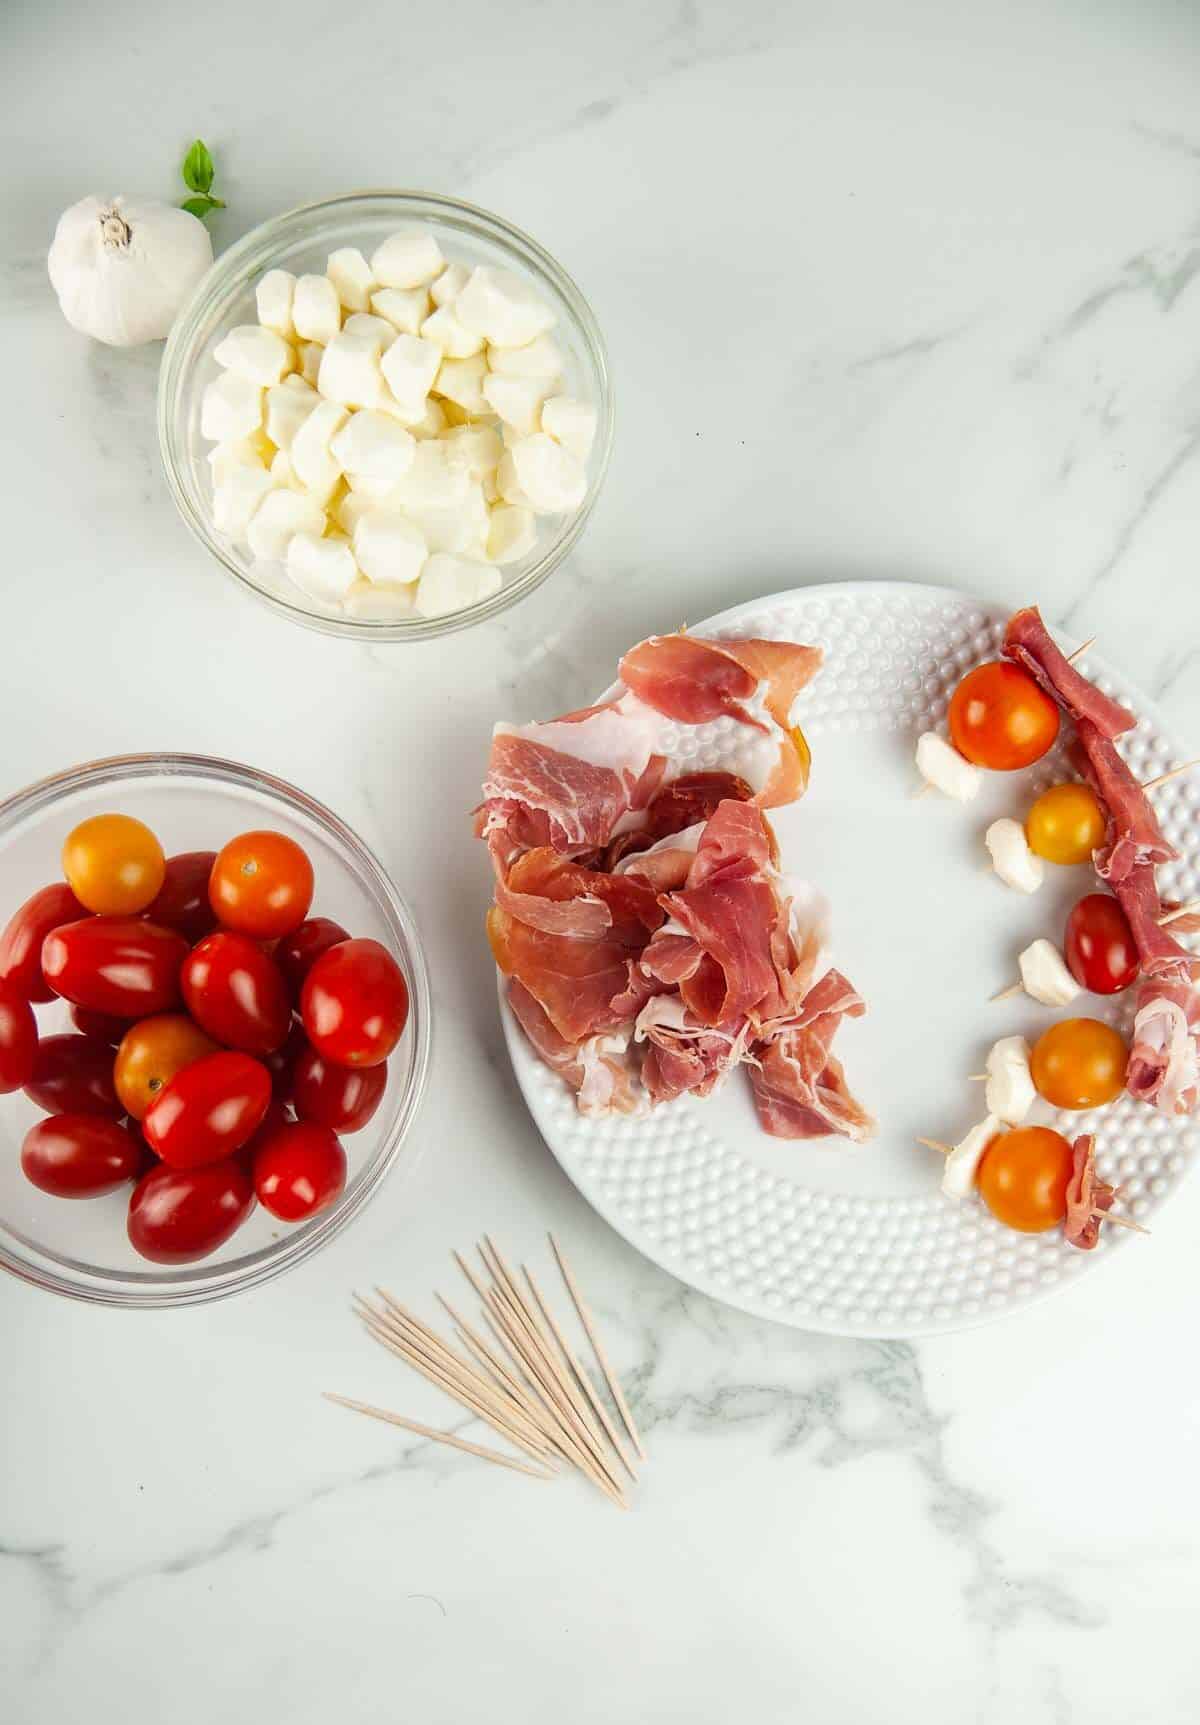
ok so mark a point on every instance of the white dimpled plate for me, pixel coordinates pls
(858, 1239)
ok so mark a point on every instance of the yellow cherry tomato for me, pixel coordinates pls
(114, 865)
(1079, 1063)
(1066, 824)
(1023, 1178)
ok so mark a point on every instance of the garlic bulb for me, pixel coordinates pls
(122, 270)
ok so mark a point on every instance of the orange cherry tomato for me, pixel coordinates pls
(1079, 1063)
(1066, 824)
(1000, 718)
(150, 1055)
(1023, 1178)
(261, 885)
(114, 865)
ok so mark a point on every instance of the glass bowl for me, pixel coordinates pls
(301, 241)
(79, 1246)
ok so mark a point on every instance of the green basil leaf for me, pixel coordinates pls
(198, 168)
(201, 205)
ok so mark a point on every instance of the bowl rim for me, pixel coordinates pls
(214, 286)
(196, 1283)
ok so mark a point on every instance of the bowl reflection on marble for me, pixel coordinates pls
(193, 802)
(301, 241)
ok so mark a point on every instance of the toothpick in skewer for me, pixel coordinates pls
(1080, 651)
(1188, 909)
(1007, 994)
(936, 1144)
(1172, 773)
(1119, 1221)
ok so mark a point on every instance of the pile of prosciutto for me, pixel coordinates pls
(651, 942)
(1164, 1059)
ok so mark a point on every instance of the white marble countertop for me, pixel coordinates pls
(890, 291)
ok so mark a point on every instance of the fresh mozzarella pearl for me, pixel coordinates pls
(944, 768)
(322, 567)
(406, 309)
(455, 340)
(1012, 858)
(231, 407)
(314, 464)
(461, 528)
(450, 584)
(502, 307)
(288, 406)
(447, 287)
(1011, 1092)
(259, 354)
(512, 533)
(962, 1164)
(409, 367)
(518, 400)
(280, 515)
(378, 601)
(507, 483)
(310, 362)
(1044, 974)
(378, 329)
(433, 480)
(571, 423)
(541, 357)
(388, 546)
(372, 446)
(408, 259)
(316, 311)
(235, 501)
(461, 381)
(350, 370)
(547, 474)
(273, 297)
(252, 451)
(475, 448)
(351, 276)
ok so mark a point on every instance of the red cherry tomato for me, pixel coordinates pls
(74, 1075)
(1000, 718)
(277, 1115)
(299, 1171)
(23, 937)
(79, 1155)
(18, 1039)
(102, 1026)
(340, 1097)
(115, 964)
(1099, 945)
(262, 885)
(296, 955)
(354, 1003)
(235, 991)
(281, 1062)
(178, 1215)
(182, 901)
(208, 1110)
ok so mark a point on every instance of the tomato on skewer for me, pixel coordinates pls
(1023, 1178)
(1000, 718)
(1099, 947)
(1079, 1063)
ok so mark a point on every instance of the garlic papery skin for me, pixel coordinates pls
(123, 270)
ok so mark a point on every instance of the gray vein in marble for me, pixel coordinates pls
(815, 1417)
(916, 348)
(1152, 495)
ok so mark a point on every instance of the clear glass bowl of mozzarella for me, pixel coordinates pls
(387, 415)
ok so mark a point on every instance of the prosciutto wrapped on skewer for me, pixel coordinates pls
(1164, 1059)
(1088, 1197)
(1028, 642)
(1134, 835)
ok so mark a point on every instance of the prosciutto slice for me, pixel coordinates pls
(1162, 957)
(799, 1086)
(1027, 642)
(1134, 834)
(1164, 1057)
(1088, 1197)
(598, 1069)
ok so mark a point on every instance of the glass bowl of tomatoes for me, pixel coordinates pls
(175, 998)
(300, 241)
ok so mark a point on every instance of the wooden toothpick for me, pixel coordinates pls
(448, 1438)
(1173, 773)
(936, 1144)
(1080, 651)
(585, 1318)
